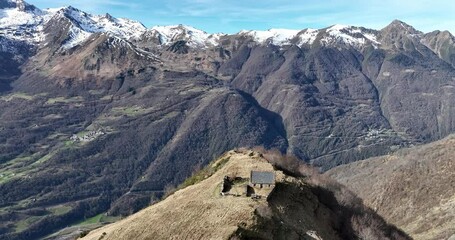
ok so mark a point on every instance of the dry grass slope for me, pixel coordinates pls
(192, 207)
(302, 205)
(413, 188)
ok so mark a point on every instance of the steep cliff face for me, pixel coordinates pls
(442, 43)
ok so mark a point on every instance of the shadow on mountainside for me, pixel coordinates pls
(312, 203)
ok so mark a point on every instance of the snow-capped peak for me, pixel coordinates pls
(307, 36)
(274, 36)
(11, 17)
(16, 1)
(194, 37)
(336, 34)
(18, 4)
(352, 36)
(85, 24)
(21, 21)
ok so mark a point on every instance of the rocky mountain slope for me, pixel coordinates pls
(296, 208)
(102, 114)
(413, 188)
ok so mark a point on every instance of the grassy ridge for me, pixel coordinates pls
(200, 175)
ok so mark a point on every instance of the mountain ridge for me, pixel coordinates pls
(350, 35)
(299, 205)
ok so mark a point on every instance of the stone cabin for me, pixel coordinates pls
(259, 179)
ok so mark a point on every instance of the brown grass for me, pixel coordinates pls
(306, 205)
(360, 221)
(195, 212)
(413, 188)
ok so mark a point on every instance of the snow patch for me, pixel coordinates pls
(85, 24)
(340, 34)
(21, 25)
(274, 36)
(77, 36)
(194, 37)
(214, 39)
(353, 36)
(308, 36)
(11, 17)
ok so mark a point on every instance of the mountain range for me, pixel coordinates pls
(101, 114)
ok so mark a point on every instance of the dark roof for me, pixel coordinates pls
(262, 177)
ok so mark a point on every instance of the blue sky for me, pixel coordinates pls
(230, 16)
